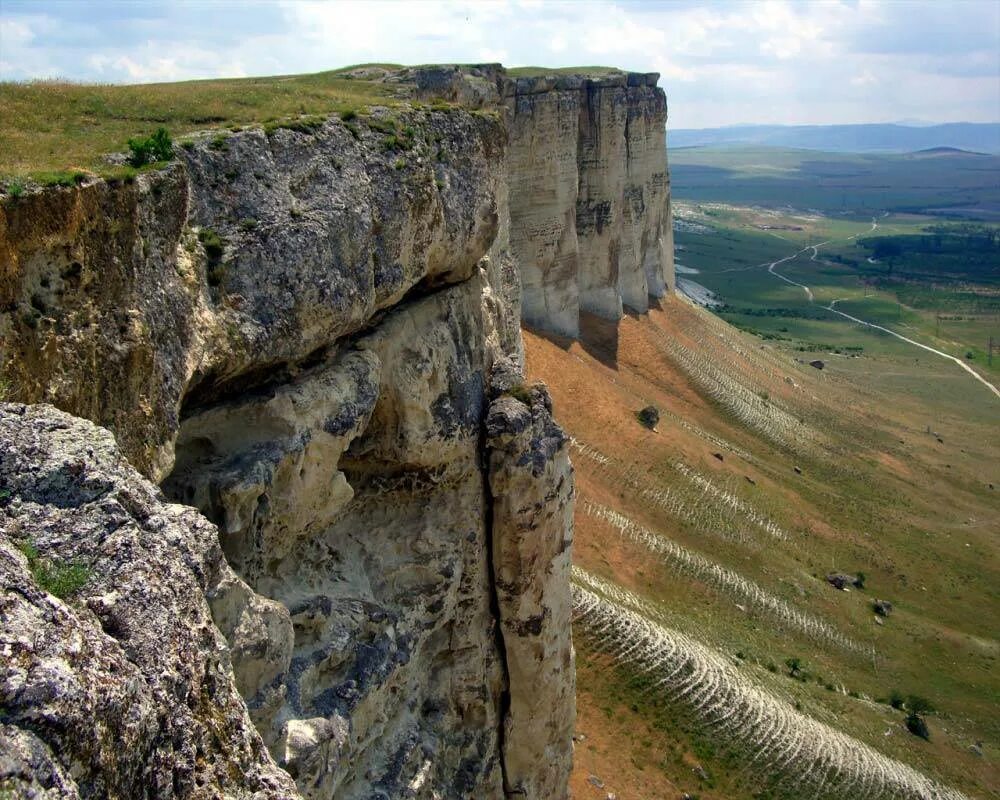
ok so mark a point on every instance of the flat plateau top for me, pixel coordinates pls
(55, 130)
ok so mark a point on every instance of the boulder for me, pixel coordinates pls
(842, 581)
(115, 681)
(649, 416)
(882, 607)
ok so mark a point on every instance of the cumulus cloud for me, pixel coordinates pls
(721, 63)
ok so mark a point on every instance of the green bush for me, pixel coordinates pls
(896, 699)
(15, 189)
(150, 149)
(214, 248)
(916, 704)
(521, 393)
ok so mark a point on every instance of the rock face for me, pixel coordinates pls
(125, 688)
(312, 337)
(589, 196)
(531, 482)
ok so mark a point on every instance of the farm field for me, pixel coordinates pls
(732, 247)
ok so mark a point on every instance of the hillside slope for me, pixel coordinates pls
(702, 549)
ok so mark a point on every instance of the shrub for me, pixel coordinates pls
(916, 704)
(150, 149)
(400, 163)
(794, 665)
(348, 115)
(896, 699)
(214, 248)
(212, 243)
(15, 189)
(648, 417)
(521, 393)
(219, 142)
(248, 224)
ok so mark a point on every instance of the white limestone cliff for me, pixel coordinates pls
(313, 338)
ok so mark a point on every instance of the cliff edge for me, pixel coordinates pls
(311, 334)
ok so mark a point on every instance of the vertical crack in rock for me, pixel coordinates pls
(531, 485)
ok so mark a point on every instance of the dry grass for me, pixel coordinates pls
(58, 126)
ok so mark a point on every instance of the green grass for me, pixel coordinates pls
(947, 307)
(57, 578)
(65, 128)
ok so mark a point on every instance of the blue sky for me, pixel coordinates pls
(721, 63)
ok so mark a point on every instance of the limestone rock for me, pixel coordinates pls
(124, 688)
(589, 195)
(531, 483)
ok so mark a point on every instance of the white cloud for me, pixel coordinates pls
(721, 63)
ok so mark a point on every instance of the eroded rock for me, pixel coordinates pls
(125, 687)
(531, 484)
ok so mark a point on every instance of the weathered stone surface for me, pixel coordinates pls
(313, 338)
(589, 196)
(111, 309)
(124, 689)
(543, 193)
(531, 482)
(602, 160)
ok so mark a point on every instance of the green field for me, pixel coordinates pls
(854, 185)
(951, 304)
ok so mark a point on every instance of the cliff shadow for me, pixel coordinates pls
(599, 337)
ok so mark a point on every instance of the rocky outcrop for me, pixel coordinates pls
(544, 179)
(311, 334)
(590, 196)
(124, 687)
(531, 482)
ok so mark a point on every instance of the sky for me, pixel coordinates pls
(721, 63)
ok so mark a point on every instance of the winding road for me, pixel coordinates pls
(831, 309)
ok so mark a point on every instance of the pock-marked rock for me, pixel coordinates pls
(125, 687)
(531, 482)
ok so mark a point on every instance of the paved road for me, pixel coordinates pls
(830, 308)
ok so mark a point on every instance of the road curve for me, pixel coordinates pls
(830, 308)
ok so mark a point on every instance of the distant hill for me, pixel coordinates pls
(890, 138)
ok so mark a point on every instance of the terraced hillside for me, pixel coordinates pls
(714, 658)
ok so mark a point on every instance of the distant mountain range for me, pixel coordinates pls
(981, 137)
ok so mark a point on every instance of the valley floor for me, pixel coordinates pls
(713, 657)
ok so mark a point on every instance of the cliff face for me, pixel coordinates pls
(313, 338)
(590, 196)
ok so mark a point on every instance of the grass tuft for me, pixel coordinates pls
(57, 578)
